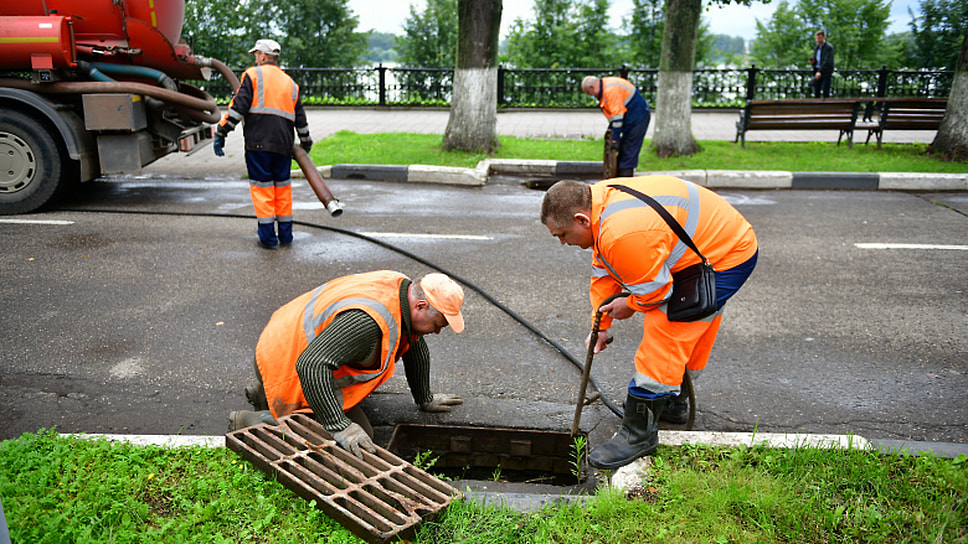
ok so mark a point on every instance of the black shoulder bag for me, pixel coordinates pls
(694, 288)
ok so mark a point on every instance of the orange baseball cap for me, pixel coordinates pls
(445, 296)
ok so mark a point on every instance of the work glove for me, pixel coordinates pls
(306, 143)
(441, 403)
(614, 145)
(219, 145)
(354, 439)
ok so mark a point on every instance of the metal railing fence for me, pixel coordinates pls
(560, 88)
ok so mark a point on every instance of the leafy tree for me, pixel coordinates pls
(316, 33)
(641, 44)
(725, 49)
(704, 45)
(856, 28)
(319, 33)
(937, 32)
(644, 31)
(780, 42)
(593, 34)
(563, 34)
(381, 47)
(215, 28)
(900, 51)
(729, 45)
(430, 38)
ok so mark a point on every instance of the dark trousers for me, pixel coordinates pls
(821, 86)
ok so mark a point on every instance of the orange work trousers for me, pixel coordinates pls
(668, 348)
(272, 200)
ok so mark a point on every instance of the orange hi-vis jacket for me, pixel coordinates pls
(636, 250)
(292, 327)
(616, 95)
(268, 100)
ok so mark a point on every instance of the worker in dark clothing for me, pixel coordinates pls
(326, 350)
(628, 117)
(268, 101)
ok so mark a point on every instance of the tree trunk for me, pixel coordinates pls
(673, 129)
(472, 125)
(951, 141)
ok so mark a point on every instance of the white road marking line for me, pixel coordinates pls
(37, 221)
(908, 246)
(425, 236)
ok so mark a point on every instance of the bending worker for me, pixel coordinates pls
(268, 101)
(326, 350)
(635, 251)
(628, 117)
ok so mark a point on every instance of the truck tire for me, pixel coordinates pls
(31, 163)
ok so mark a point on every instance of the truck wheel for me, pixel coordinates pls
(31, 165)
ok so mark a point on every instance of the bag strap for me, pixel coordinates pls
(673, 224)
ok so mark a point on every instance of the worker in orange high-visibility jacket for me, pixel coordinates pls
(329, 348)
(635, 251)
(628, 117)
(268, 101)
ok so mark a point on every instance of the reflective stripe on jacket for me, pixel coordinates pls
(615, 98)
(268, 101)
(635, 250)
(294, 326)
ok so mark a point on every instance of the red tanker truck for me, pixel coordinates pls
(95, 87)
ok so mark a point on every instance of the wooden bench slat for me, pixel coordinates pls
(842, 114)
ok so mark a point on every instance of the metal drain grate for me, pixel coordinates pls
(379, 498)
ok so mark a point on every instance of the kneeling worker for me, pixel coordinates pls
(329, 348)
(635, 251)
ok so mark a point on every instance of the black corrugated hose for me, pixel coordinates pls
(578, 364)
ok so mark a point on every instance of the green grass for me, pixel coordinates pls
(405, 148)
(56, 489)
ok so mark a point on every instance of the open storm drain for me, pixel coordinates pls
(482, 454)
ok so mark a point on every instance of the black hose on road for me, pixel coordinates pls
(611, 406)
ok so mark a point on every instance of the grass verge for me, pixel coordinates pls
(57, 489)
(346, 147)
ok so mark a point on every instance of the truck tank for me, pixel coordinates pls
(95, 87)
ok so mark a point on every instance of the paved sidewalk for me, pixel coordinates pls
(569, 124)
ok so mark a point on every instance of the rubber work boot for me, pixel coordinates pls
(625, 172)
(240, 419)
(638, 436)
(267, 235)
(285, 232)
(676, 411)
(256, 395)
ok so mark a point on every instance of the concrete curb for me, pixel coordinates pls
(717, 179)
(948, 450)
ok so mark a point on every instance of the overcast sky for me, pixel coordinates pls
(733, 20)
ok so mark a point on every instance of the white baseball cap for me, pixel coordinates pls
(266, 46)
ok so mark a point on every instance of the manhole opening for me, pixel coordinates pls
(494, 454)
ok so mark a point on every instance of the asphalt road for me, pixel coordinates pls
(140, 312)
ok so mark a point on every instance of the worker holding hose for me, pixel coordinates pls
(268, 101)
(636, 251)
(326, 350)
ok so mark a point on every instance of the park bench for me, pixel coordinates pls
(800, 114)
(902, 114)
